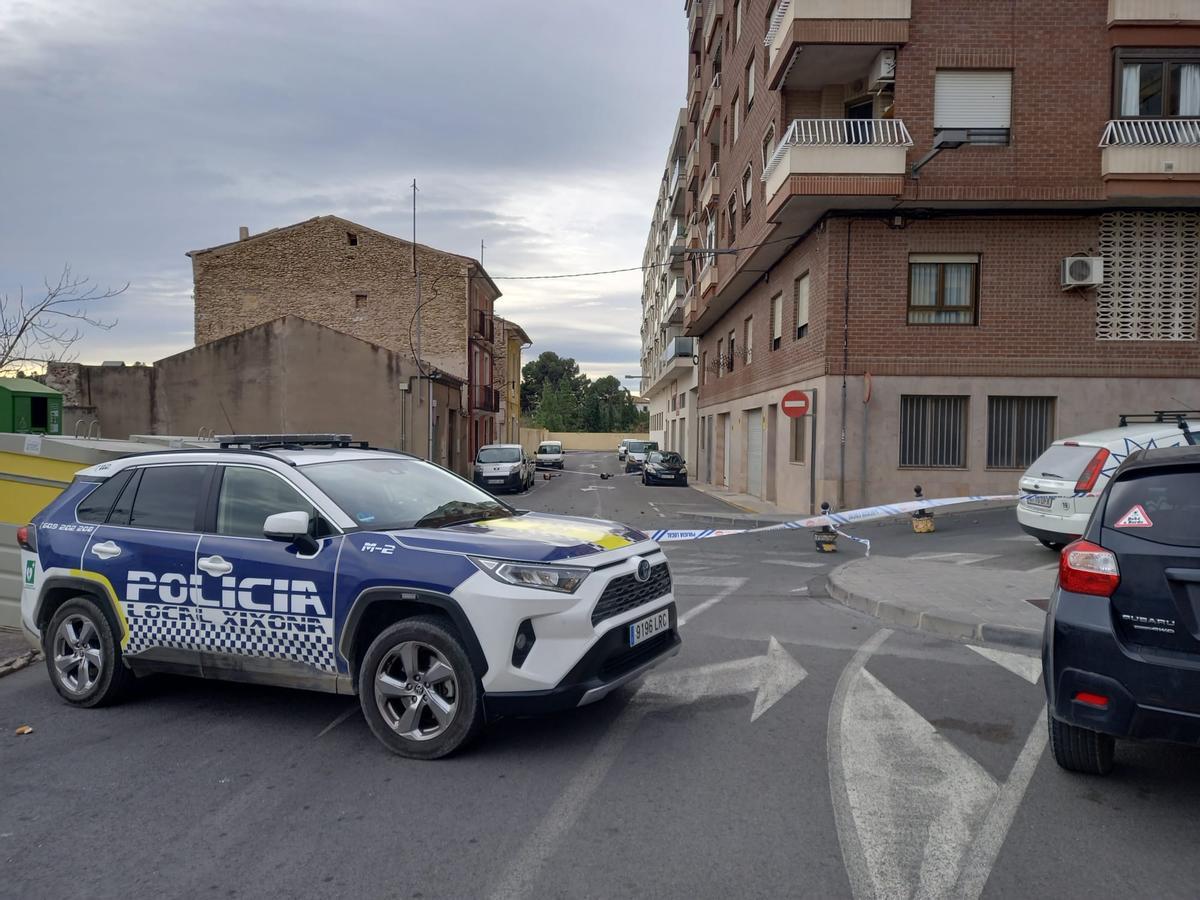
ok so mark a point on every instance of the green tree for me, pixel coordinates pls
(607, 406)
(558, 409)
(550, 369)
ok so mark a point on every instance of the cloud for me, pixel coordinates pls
(137, 131)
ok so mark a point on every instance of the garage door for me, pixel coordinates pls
(754, 452)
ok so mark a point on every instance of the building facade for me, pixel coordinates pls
(669, 385)
(959, 236)
(511, 339)
(362, 283)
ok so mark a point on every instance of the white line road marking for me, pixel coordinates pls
(794, 562)
(339, 720)
(1027, 667)
(522, 873)
(959, 559)
(1050, 567)
(986, 847)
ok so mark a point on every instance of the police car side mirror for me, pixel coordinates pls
(291, 527)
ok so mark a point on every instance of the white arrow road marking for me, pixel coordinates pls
(522, 873)
(1028, 667)
(770, 676)
(597, 487)
(916, 817)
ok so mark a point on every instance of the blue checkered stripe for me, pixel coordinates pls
(303, 639)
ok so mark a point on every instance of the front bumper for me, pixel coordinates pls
(499, 482)
(610, 664)
(676, 478)
(1150, 696)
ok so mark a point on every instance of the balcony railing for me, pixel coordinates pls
(712, 102)
(712, 187)
(487, 400)
(789, 11)
(712, 15)
(839, 133)
(678, 347)
(1151, 133)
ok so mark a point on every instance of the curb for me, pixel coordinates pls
(942, 626)
(18, 662)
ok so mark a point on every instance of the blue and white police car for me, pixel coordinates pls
(320, 563)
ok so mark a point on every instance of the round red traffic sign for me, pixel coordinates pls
(796, 404)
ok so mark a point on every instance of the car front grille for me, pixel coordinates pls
(626, 592)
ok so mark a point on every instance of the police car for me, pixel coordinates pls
(317, 562)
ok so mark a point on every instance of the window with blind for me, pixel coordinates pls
(1019, 430)
(933, 431)
(1157, 84)
(943, 290)
(776, 321)
(975, 101)
(800, 305)
(750, 83)
(732, 349)
(768, 145)
(748, 339)
(720, 356)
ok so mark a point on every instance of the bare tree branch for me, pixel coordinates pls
(44, 330)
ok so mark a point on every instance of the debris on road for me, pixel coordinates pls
(24, 729)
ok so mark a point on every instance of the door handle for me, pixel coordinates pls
(215, 566)
(106, 550)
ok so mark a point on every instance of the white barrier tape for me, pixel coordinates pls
(856, 540)
(886, 511)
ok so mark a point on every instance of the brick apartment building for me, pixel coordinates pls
(360, 282)
(964, 228)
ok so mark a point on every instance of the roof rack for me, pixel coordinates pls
(1159, 416)
(288, 441)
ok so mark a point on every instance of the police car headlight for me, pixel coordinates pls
(565, 579)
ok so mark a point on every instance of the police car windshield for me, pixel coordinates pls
(396, 492)
(499, 455)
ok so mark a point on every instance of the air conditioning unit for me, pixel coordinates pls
(1082, 271)
(883, 70)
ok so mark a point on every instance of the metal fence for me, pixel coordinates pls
(933, 431)
(839, 132)
(1018, 430)
(1151, 133)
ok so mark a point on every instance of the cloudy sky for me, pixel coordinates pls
(136, 130)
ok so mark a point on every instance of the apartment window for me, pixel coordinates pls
(942, 290)
(747, 193)
(1019, 430)
(933, 431)
(720, 356)
(731, 219)
(750, 82)
(732, 350)
(1158, 83)
(737, 117)
(977, 101)
(360, 300)
(704, 367)
(776, 321)
(798, 453)
(683, 401)
(768, 145)
(351, 239)
(748, 339)
(800, 304)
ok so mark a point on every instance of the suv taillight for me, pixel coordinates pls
(1087, 568)
(27, 538)
(1091, 472)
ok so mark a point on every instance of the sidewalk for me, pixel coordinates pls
(963, 602)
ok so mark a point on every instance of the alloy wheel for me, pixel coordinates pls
(78, 657)
(416, 691)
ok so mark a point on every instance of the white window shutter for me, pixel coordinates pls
(972, 98)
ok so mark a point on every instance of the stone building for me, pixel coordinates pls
(511, 339)
(962, 235)
(362, 283)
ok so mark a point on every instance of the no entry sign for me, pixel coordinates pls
(796, 404)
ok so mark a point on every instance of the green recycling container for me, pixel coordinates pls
(27, 407)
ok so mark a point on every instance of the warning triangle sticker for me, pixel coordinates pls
(1135, 518)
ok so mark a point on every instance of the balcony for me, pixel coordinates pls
(712, 21)
(712, 104)
(678, 357)
(1151, 157)
(708, 276)
(695, 95)
(839, 38)
(694, 30)
(1158, 12)
(840, 156)
(487, 400)
(692, 164)
(710, 193)
(483, 327)
(675, 191)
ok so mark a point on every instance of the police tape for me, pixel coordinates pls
(832, 519)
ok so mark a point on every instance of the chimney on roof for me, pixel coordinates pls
(243, 232)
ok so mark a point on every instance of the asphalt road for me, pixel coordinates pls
(793, 748)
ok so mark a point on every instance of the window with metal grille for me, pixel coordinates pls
(1019, 430)
(933, 431)
(797, 454)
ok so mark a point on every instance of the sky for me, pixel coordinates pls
(136, 130)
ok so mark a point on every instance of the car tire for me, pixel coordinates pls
(385, 689)
(1080, 749)
(1051, 545)
(83, 655)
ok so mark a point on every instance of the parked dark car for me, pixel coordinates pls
(664, 467)
(1121, 650)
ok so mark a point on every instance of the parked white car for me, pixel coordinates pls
(549, 455)
(635, 454)
(503, 467)
(1059, 491)
(621, 450)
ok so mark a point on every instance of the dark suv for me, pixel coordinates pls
(1121, 651)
